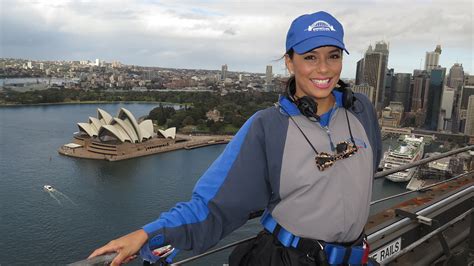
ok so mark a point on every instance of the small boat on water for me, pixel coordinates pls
(410, 150)
(48, 188)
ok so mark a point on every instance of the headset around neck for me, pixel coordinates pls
(309, 107)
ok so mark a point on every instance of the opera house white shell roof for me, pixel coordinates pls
(123, 128)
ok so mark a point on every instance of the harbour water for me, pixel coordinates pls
(94, 201)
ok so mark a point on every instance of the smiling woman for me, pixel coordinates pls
(284, 160)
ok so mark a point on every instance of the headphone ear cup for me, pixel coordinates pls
(308, 107)
(347, 98)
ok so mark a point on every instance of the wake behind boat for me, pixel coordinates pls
(410, 150)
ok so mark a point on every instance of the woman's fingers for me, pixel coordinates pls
(110, 247)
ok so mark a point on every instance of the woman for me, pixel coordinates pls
(309, 162)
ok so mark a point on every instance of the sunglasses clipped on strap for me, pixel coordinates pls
(344, 150)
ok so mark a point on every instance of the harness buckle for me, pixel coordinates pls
(319, 253)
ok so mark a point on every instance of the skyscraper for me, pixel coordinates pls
(469, 130)
(456, 76)
(432, 58)
(455, 113)
(401, 89)
(447, 101)
(437, 79)
(268, 75)
(375, 66)
(360, 72)
(365, 89)
(268, 79)
(389, 75)
(465, 93)
(223, 72)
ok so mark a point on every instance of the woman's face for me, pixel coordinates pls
(316, 72)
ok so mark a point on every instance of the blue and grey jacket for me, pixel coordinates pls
(269, 165)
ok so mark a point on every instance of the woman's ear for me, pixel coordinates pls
(289, 64)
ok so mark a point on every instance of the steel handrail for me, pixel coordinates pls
(421, 189)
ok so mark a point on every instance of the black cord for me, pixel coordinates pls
(304, 135)
(349, 126)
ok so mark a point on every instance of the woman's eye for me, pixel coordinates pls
(335, 56)
(310, 57)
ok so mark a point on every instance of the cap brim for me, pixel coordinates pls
(316, 42)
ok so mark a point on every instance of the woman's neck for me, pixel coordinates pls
(325, 104)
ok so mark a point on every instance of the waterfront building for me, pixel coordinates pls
(400, 90)
(392, 115)
(123, 128)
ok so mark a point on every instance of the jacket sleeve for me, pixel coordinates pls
(233, 186)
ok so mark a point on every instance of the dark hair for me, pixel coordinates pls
(290, 83)
(290, 53)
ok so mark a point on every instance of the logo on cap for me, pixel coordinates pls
(320, 25)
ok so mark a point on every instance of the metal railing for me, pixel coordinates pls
(104, 259)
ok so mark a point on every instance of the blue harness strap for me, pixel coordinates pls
(336, 254)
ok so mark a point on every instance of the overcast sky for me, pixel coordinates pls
(245, 35)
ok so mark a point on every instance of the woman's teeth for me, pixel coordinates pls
(320, 81)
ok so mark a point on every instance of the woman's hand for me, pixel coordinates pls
(126, 246)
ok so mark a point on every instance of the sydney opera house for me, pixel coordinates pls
(123, 137)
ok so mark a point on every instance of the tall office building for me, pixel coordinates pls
(469, 130)
(223, 72)
(421, 84)
(432, 58)
(389, 75)
(455, 112)
(465, 93)
(360, 72)
(456, 76)
(447, 101)
(268, 79)
(268, 75)
(469, 80)
(401, 90)
(375, 67)
(437, 80)
(365, 89)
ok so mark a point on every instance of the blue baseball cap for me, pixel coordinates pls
(311, 31)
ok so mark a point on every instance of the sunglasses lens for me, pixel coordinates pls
(341, 147)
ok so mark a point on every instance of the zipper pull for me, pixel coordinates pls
(333, 148)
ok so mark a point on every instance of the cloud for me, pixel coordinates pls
(245, 35)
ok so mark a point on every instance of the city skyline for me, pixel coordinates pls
(247, 36)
